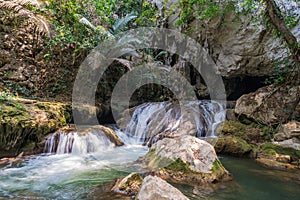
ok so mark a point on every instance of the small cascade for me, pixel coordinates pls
(150, 121)
(77, 143)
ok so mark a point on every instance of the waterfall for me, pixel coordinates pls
(152, 121)
(77, 143)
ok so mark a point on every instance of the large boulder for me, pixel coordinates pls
(155, 188)
(23, 123)
(269, 105)
(187, 160)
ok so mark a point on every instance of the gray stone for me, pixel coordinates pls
(270, 104)
(199, 154)
(155, 188)
(288, 130)
(290, 143)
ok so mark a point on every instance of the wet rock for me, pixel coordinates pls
(151, 122)
(280, 154)
(155, 188)
(130, 185)
(251, 133)
(270, 104)
(187, 160)
(110, 133)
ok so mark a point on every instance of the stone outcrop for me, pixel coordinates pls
(23, 123)
(270, 104)
(239, 46)
(288, 135)
(288, 131)
(155, 188)
(187, 160)
(273, 156)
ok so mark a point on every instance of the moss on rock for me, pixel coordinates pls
(272, 149)
(129, 185)
(252, 133)
(185, 160)
(25, 121)
(232, 145)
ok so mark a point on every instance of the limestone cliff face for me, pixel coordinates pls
(239, 46)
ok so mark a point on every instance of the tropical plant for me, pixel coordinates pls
(25, 8)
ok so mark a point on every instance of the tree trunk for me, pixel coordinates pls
(277, 20)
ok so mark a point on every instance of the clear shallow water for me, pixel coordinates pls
(66, 176)
(76, 177)
(252, 182)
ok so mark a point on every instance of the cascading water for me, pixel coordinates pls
(79, 161)
(150, 120)
(73, 142)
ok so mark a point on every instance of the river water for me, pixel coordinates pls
(83, 166)
(69, 176)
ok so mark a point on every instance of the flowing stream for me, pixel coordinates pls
(74, 165)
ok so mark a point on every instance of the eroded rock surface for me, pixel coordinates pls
(185, 159)
(155, 188)
(270, 104)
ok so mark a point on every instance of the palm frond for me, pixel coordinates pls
(120, 24)
(19, 8)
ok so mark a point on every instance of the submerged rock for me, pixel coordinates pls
(274, 164)
(130, 185)
(270, 104)
(155, 188)
(186, 160)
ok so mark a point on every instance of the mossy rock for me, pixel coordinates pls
(24, 121)
(129, 185)
(180, 172)
(185, 160)
(270, 149)
(252, 133)
(232, 145)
